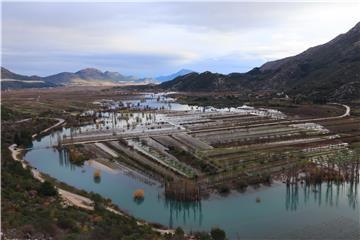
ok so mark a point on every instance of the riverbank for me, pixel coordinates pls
(70, 198)
(73, 199)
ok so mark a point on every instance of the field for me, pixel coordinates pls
(211, 150)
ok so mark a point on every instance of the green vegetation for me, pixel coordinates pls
(77, 155)
(7, 114)
(23, 137)
(222, 152)
(21, 132)
(179, 234)
(191, 160)
(218, 234)
(230, 100)
(47, 189)
(224, 189)
(33, 210)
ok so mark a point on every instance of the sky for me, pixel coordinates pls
(148, 39)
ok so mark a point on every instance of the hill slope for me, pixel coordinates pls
(88, 76)
(10, 80)
(182, 72)
(331, 70)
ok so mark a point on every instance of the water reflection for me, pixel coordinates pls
(180, 210)
(138, 201)
(292, 197)
(97, 179)
(353, 195)
(97, 176)
(334, 199)
(326, 193)
(329, 194)
(64, 159)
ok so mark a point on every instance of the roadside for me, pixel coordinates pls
(59, 123)
(68, 197)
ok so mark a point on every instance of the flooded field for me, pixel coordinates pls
(161, 139)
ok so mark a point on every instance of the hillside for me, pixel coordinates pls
(89, 75)
(330, 71)
(10, 80)
(169, 77)
(84, 77)
(6, 74)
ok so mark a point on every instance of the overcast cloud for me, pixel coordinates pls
(150, 39)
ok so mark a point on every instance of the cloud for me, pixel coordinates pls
(127, 63)
(153, 38)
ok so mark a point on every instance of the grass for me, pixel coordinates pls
(189, 159)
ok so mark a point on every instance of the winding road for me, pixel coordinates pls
(59, 123)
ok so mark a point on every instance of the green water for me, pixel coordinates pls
(327, 211)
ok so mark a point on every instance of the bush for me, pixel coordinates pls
(218, 234)
(241, 185)
(224, 189)
(67, 223)
(47, 189)
(179, 233)
(23, 138)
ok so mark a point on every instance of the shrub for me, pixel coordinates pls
(47, 189)
(224, 189)
(67, 223)
(139, 194)
(23, 138)
(241, 185)
(218, 234)
(179, 233)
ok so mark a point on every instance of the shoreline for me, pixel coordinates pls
(70, 198)
(80, 201)
(74, 199)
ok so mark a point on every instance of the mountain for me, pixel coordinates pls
(182, 72)
(206, 81)
(330, 71)
(84, 77)
(6, 74)
(90, 76)
(10, 80)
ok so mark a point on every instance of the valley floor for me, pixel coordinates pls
(191, 152)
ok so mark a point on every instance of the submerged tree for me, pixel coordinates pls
(97, 176)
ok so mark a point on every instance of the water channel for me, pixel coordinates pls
(283, 212)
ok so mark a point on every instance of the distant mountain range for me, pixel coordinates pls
(95, 76)
(330, 71)
(169, 77)
(84, 77)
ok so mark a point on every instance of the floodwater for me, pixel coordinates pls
(326, 211)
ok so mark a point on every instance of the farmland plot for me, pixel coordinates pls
(214, 148)
(162, 158)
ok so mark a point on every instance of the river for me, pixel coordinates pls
(326, 210)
